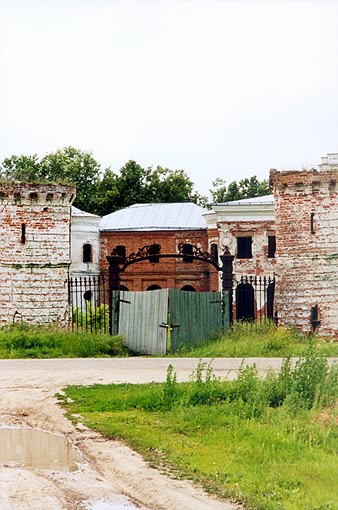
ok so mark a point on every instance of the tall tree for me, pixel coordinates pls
(246, 188)
(75, 167)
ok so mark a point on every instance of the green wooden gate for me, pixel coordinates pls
(162, 321)
(193, 316)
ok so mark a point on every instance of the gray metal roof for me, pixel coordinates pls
(78, 212)
(268, 199)
(178, 216)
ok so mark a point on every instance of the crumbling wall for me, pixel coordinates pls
(35, 252)
(306, 221)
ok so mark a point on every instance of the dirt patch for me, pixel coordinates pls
(109, 471)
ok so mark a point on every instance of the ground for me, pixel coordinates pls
(109, 471)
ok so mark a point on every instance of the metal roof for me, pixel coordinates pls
(266, 200)
(177, 216)
(78, 212)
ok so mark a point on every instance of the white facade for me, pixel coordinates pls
(85, 244)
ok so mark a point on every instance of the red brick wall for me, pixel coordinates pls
(307, 261)
(169, 272)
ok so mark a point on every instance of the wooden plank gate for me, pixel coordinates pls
(162, 321)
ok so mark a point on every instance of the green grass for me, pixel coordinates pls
(23, 341)
(260, 340)
(270, 443)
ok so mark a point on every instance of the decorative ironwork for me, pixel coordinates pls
(152, 252)
(196, 253)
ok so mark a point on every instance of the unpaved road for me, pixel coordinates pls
(110, 470)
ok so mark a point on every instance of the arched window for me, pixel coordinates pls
(123, 287)
(188, 288)
(153, 287)
(87, 253)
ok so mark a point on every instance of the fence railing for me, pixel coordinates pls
(89, 299)
(254, 297)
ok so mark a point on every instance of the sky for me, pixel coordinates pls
(218, 88)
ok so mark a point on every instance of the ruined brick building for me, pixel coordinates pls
(306, 222)
(35, 253)
(167, 225)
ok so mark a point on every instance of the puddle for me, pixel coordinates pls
(101, 505)
(34, 448)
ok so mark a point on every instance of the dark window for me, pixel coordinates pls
(23, 233)
(154, 251)
(188, 252)
(214, 251)
(123, 287)
(271, 247)
(244, 247)
(87, 296)
(312, 223)
(121, 252)
(189, 288)
(87, 253)
(153, 287)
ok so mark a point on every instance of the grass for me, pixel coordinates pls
(260, 340)
(23, 341)
(243, 340)
(269, 443)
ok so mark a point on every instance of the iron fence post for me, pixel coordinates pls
(227, 278)
(114, 286)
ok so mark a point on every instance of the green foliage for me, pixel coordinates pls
(102, 192)
(25, 341)
(246, 188)
(239, 438)
(259, 340)
(93, 318)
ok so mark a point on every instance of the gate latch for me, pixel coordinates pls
(166, 325)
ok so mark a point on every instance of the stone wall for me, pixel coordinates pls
(35, 252)
(306, 221)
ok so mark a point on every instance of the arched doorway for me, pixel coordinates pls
(270, 294)
(245, 302)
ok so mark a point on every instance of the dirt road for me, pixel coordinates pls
(109, 472)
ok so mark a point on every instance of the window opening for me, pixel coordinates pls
(244, 247)
(312, 223)
(214, 251)
(121, 252)
(188, 288)
(23, 233)
(153, 287)
(188, 252)
(271, 247)
(87, 253)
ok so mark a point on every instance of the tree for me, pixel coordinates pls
(103, 192)
(136, 185)
(246, 188)
(21, 168)
(69, 165)
(76, 167)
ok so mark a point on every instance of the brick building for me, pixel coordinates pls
(35, 252)
(306, 221)
(247, 229)
(168, 225)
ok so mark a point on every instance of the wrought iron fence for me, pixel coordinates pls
(89, 298)
(254, 297)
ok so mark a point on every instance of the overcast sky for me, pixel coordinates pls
(219, 88)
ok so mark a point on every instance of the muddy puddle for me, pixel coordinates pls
(34, 448)
(101, 505)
